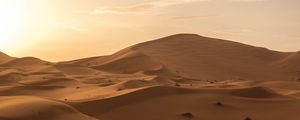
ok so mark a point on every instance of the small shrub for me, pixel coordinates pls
(177, 84)
(77, 87)
(219, 104)
(119, 89)
(187, 115)
(248, 118)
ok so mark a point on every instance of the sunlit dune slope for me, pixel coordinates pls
(159, 103)
(35, 108)
(202, 58)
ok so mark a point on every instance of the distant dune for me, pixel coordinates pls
(4, 58)
(179, 77)
(201, 58)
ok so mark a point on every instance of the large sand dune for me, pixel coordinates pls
(4, 58)
(183, 76)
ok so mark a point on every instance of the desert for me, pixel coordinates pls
(178, 77)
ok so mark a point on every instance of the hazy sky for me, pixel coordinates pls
(69, 29)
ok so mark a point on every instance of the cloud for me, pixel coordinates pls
(70, 26)
(142, 8)
(164, 3)
(248, 0)
(189, 17)
(136, 9)
(146, 7)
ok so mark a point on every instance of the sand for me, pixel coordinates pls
(179, 77)
(5, 58)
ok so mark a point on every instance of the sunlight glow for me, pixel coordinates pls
(69, 29)
(13, 22)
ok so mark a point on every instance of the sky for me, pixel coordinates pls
(58, 30)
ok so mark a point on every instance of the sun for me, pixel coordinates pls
(12, 22)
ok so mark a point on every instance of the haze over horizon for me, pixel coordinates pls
(54, 30)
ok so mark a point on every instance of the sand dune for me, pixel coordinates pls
(203, 58)
(207, 58)
(4, 58)
(179, 77)
(34, 108)
(26, 64)
(130, 62)
(170, 103)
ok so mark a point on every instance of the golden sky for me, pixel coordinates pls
(68, 29)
